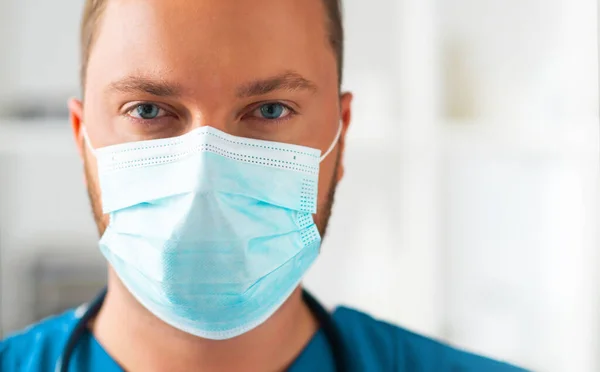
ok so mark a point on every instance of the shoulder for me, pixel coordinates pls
(37, 347)
(375, 343)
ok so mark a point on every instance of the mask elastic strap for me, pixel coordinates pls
(333, 144)
(87, 141)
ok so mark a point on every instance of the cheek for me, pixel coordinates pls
(96, 200)
(326, 174)
(93, 186)
(96, 196)
(105, 220)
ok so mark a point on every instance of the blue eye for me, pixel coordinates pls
(147, 111)
(272, 111)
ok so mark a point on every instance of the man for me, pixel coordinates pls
(212, 135)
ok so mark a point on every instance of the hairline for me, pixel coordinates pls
(94, 10)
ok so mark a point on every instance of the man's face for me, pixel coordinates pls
(260, 69)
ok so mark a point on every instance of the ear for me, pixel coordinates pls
(76, 117)
(345, 117)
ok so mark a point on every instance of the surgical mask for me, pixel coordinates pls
(208, 231)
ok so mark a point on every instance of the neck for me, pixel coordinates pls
(139, 341)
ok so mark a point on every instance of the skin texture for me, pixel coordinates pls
(209, 62)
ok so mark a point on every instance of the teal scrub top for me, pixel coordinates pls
(371, 345)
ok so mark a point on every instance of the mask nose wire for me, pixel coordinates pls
(87, 141)
(333, 144)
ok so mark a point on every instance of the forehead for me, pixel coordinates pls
(210, 43)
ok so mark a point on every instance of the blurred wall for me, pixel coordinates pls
(469, 210)
(40, 55)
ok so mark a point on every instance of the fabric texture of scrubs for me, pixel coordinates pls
(371, 345)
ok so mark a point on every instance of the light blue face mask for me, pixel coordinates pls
(208, 231)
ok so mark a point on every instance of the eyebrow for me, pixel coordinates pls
(290, 81)
(139, 84)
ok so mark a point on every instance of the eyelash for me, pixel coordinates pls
(256, 106)
(129, 112)
(168, 113)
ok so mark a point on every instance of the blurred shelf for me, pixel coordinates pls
(33, 137)
(576, 137)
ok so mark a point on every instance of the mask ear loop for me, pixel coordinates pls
(333, 144)
(87, 141)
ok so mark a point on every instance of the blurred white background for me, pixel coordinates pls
(470, 207)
